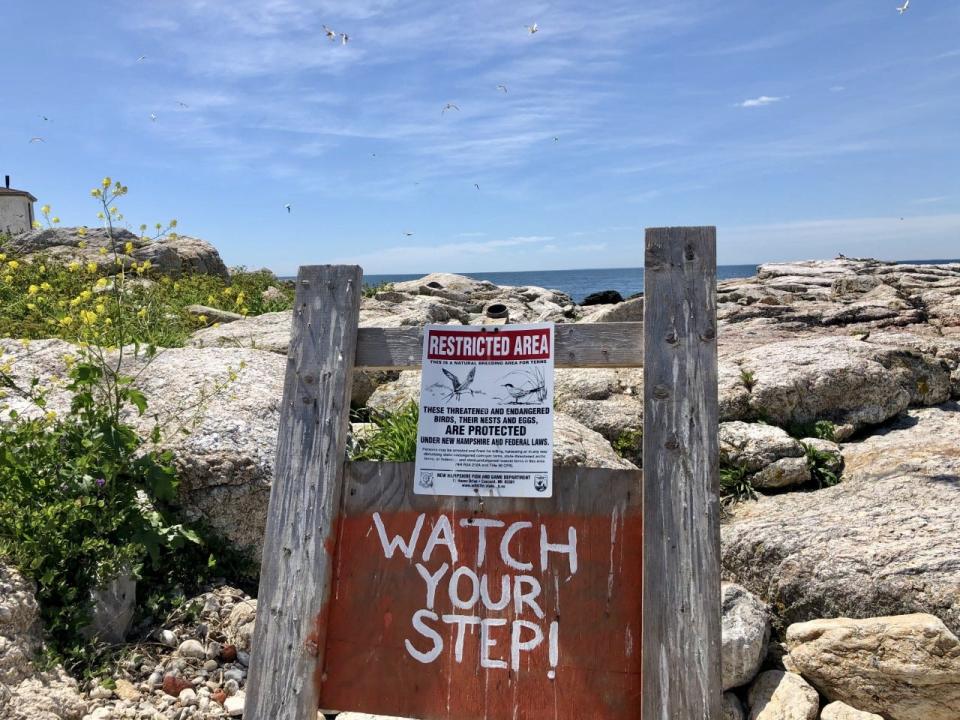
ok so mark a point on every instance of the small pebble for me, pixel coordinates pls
(243, 658)
(219, 696)
(231, 687)
(234, 674)
(213, 650)
(99, 692)
(168, 638)
(228, 653)
(210, 665)
(234, 705)
(187, 697)
(191, 649)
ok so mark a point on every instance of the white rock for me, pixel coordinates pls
(99, 692)
(191, 649)
(777, 695)
(187, 697)
(168, 638)
(745, 631)
(842, 711)
(233, 705)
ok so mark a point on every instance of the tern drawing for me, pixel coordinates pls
(449, 106)
(903, 8)
(459, 387)
(532, 29)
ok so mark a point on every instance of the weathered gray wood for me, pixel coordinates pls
(295, 577)
(388, 487)
(575, 345)
(681, 549)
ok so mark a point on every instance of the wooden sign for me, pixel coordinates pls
(461, 608)
(376, 599)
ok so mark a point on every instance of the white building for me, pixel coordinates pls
(16, 209)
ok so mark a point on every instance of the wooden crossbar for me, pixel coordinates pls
(582, 345)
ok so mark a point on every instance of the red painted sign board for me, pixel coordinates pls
(463, 608)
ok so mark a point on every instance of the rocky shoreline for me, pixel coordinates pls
(839, 382)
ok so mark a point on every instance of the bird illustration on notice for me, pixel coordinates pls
(459, 387)
(518, 393)
(903, 8)
(449, 106)
(533, 29)
(287, 206)
(502, 87)
(37, 139)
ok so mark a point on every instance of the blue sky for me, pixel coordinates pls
(799, 129)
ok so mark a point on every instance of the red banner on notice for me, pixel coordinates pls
(499, 344)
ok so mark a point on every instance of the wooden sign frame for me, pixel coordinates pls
(676, 346)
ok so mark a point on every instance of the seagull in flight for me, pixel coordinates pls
(330, 33)
(533, 29)
(476, 186)
(45, 118)
(153, 117)
(287, 206)
(449, 106)
(141, 58)
(408, 234)
(344, 38)
(182, 104)
(502, 87)
(37, 139)
(903, 8)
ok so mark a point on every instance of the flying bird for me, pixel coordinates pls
(45, 118)
(287, 206)
(533, 28)
(449, 106)
(459, 387)
(141, 58)
(903, 8)
(556, 139)
(331, 34)
(344, 38)
(476, 186)
(182, 104)
(153, 117)
(502, 87)
(408, 234)
(37, 139)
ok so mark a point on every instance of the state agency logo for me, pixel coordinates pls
(426, 479)
(540, 483)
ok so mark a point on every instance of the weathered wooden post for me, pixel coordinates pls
(681, 518)
(298, 550)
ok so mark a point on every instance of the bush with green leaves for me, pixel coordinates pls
(629, 445)
(393, 437)
(83, 496)
(735, 485)
(825, 467)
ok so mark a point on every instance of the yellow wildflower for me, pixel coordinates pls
(88, 317)
(146, 265)
(43, 268)
(211, 300)
(3, 256)
(108, 321)
(45, 209)
(95, 192)
(55, 220)
(101, 215)
(46, 286)
(82, 244)
(202, 318)
(13, 264)
(142, 313)
(86, 295)
(91, 267)
(128, 248)
(74, 266)
(37, 225)
(106, 182)
(102, 251)
(51, 415)
(31, 306)
(101, 283)
(100, 308)
(8, 278)
(82, 231)
(66, 320)
(33, 290)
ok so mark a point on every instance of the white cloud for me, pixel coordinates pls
(761, 101)
(837, 88)
(930, 200)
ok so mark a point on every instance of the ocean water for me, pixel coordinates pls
(575, 283)
(580, 283)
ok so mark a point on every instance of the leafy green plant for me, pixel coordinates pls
(825, 467)
(748, 379)
(735, 485)
(370, 291)
(629, 445)
(393, 438)
(822, 429)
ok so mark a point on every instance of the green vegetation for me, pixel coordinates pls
(83, 496)
(825, 467)
(370, 290)
(735, 485)
(748, 379)
(629, 445)
(393, 438)
(822, 429)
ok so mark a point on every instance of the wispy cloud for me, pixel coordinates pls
(930, 200)
(761, 101)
